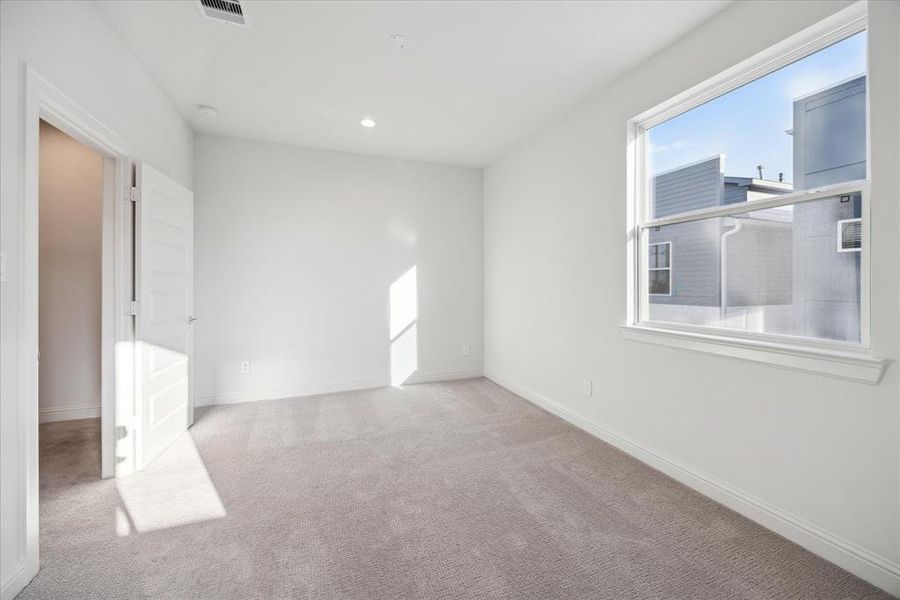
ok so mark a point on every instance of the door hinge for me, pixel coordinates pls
(134, 194)
(133, 307)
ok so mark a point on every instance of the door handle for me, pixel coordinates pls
(191, 319)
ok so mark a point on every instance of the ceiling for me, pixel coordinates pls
(474, 79)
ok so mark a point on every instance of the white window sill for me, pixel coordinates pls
(843, 364)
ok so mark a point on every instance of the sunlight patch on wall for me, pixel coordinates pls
(404, 307)
(404, 356)
(404, 302)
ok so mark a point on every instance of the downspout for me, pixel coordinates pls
(723, 271)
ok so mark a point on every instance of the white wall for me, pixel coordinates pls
(296, 251)
(812, 450)
(71, 194)
(71, 45)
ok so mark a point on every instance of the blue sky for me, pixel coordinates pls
(748, 124)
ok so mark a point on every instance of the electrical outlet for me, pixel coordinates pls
(466, 350)
(588, 387)
(245, 366)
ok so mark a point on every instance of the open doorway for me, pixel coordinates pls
(70, 196)
(145, 220)
(146, 229)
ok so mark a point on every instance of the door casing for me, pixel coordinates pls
(43, 101)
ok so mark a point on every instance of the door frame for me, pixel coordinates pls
(43, 101)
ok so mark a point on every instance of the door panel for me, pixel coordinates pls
(164, 289)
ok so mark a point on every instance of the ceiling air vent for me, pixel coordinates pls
(850, 235)
(229, 11)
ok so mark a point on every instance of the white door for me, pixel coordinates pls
(164, 244)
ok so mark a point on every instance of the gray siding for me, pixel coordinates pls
(692, 187)
(695, 262)
(695, 246)
(735, 193)
(826, 282)
(759, 264)
(830, 136)
(829, 147)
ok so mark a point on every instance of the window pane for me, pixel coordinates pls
(801, 127)
(777, 270)
(659, 281)
(658, 256)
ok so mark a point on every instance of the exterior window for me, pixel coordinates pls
(660, 269)
(757, 186)
(849, 235)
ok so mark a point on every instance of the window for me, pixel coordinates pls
(731, 181)
(659, 266)
(757, 176)
(849, 235)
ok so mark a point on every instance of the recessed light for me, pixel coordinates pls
(367, 122)
(207, 111)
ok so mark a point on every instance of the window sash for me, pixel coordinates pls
(850, 187)
(641, 266)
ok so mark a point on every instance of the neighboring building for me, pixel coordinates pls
(829, 147)
(778, 270)
(689, 256)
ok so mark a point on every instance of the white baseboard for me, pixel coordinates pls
(327, 388)
(279, 394)
(68, 413)
(16, 582)
(866, 565)
(433, 377)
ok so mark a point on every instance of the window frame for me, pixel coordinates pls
(801, 353)
(667, 268)
(840, 235)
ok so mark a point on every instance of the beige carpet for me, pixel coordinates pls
(452, 490)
